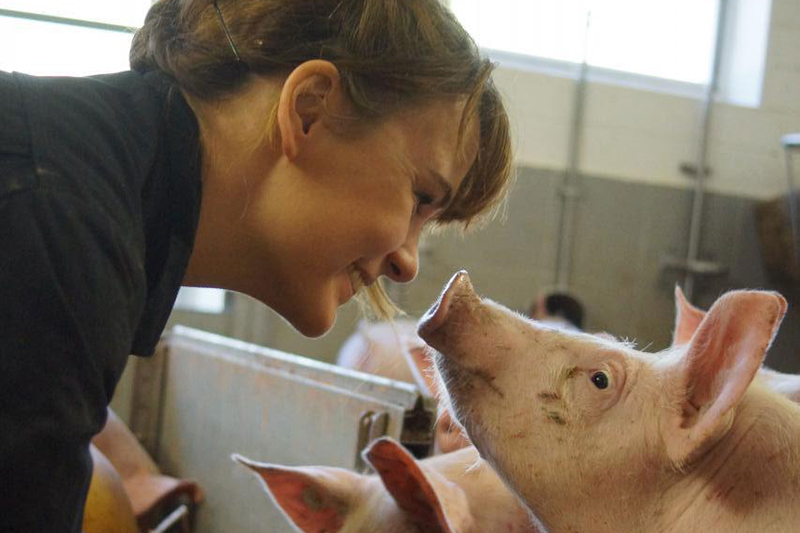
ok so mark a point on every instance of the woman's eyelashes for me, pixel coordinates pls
(424, 203)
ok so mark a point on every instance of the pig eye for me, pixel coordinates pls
(600, 380)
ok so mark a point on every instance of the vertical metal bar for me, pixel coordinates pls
(792, 205)
(569, 189)
(693, 248)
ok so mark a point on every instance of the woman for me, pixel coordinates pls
(292, 150)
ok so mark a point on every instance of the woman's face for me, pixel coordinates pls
(349, 209)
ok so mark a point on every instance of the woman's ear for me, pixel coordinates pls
(310, 92)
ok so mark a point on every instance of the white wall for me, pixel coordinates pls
(637, 135)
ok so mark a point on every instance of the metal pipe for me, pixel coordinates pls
(569, 189)
(790, 143)
(695, 228)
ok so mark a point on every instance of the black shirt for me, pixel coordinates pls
(99, 203)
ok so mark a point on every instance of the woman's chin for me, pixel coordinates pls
(310, 312)
(314, 326)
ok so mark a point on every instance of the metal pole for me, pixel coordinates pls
(693, 249)
(791, 143)
(569, 189)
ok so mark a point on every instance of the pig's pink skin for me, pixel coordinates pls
(682, 441)
(381, 348)
(458, 486)
(688, 318)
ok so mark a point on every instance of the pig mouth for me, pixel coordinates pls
(459, 377)
(458, 395)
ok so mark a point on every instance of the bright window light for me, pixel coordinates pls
(47, 49)
(201, 300)
(672, 40)
(121, 12)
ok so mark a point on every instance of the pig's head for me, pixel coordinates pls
(405, 496)
(567, 417)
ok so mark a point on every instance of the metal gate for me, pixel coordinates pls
(203, 397)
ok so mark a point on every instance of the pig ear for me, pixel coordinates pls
(687, 318)
(422, 361)
(431, 501)
(719, 363)
(313, 499)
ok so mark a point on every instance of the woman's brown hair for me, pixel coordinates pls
(391, 54)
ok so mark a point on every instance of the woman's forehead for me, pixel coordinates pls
(434, 136)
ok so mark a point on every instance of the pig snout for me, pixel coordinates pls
(440, 322)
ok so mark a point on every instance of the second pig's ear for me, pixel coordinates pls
(687, 318)
(709, 381)
(424, 365)
(431, 501)
(313, 499)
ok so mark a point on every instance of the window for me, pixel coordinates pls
(651, 42)
(79, 51)
(80, 37)
(76, 38)
(128, 13)
(201, 300)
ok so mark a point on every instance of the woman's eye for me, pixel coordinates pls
(600, 380)
(423, 201)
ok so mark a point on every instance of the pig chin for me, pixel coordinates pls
(458, 391)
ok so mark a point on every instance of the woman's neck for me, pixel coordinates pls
(237, 156)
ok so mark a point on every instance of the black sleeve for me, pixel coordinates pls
(69, 303)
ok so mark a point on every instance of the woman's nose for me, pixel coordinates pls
(402, 265)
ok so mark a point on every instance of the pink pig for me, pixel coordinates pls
(452, 493)
(595, 436)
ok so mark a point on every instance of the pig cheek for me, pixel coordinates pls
(476, 397)
(457, 383)
(540, 435)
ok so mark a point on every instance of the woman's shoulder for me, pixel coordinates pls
(96, 131)
(110, 137)
(121, 101)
